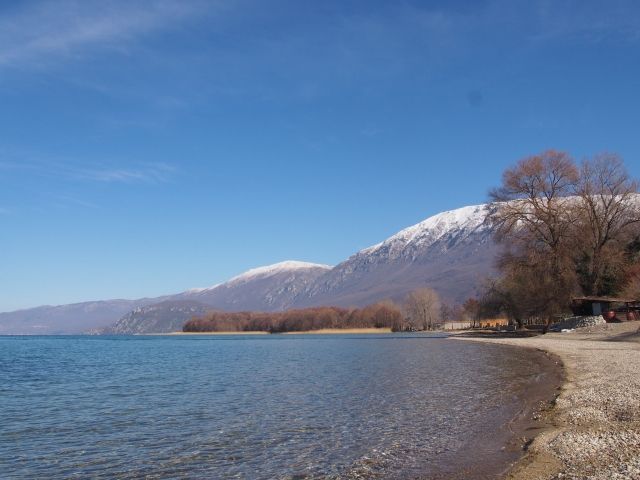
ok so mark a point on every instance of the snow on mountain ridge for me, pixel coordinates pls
(193, 291)
(465, 219)
(432, 229)
(261, 272)
(269, 270)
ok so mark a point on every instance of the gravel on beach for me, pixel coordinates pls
(595, 423)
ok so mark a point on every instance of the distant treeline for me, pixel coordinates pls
(374, 316)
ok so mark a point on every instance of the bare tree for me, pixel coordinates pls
(564, 230)
(609, 210)
(472, 308)
(535, 221)
(423, 308)
(392, 305)
(631, 281)
(533, 208)
(446, 312)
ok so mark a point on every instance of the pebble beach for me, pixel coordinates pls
(592, 430)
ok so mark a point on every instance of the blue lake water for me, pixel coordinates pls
(272, 406)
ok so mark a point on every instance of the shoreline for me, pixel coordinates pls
(497, 441)
(592, 430)
(338, 331)
(323, 331)
(208, 333)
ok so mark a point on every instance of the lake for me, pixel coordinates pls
(258, 407)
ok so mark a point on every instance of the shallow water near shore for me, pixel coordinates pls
(291, 407)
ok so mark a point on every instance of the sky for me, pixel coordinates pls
(151, 147)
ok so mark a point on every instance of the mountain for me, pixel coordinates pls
(66, 319)
(163, 317)
(270, 288)
(448, 252)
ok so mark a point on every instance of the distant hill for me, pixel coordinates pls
(163, 317)
(68, 319)
(448, 252)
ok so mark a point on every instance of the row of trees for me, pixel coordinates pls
(374, 316)
(421, 310)
(565, 230)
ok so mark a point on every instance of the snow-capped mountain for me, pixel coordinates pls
(287, 267)
(448, 252)
(269, 288)
(453, 226)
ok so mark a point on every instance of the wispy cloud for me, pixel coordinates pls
(286, 49)
(64, 199)
(588, 22)
(35, 184)
(152, 173)
(42, 33)
(370, 132)
(75, 170)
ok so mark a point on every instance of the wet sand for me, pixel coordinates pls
(492, 455)
(592, 430)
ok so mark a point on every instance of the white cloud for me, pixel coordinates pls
(152, 173)
(42, 33)
(286, 49)
(28, 163)
(587, 22)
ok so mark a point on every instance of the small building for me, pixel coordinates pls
(493, 322)
(456, 325)
(582, 306)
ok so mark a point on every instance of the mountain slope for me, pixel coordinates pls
(68, 319)
(270, 288)
(448, 252)
(163, 317)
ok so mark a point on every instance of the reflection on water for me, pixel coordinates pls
(254, 407)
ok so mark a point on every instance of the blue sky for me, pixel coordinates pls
(151, 147)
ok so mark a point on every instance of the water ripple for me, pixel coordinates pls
(287, 407)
